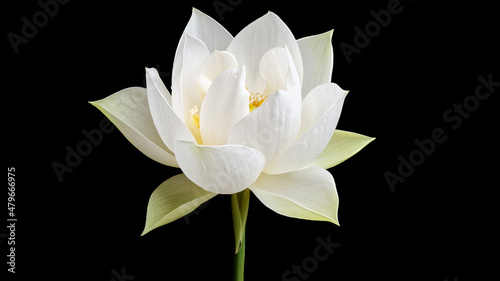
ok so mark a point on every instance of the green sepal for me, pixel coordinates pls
(239, 205)
(173, 199)
(342, 146)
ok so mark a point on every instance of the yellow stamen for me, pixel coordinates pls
(195, 118)
(256, 100)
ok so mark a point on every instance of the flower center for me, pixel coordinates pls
(256, 100)
(195, 117)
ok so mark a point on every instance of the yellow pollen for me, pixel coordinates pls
(256, 100)
(195, 118)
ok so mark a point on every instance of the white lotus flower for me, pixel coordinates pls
(255, 112)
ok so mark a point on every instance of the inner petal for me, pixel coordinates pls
(251, 43)
(225, 104)
(212, 66)
(279, 71)
(272, 127)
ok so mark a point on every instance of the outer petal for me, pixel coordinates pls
(173, 199)
(170, 127)
(342, 146)
(320, 114)
(176, 79)
(209, 31)
(223, 169)
(272, 127)
(317, 57)
(265, 33)
(278, 69)
(305, 194)
(226, 103)
(128, 109)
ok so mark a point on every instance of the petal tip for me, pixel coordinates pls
(147, 229)
(195, 11)
(328, 33)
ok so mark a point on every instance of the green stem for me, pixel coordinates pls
(239, 206)
(239, 261)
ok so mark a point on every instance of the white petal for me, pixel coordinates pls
(128, 109)
(170, 127)
(305, 194)
(278, 69)
(222, 169)
(194, 54)
(320, 114)
(158, 83)
(317, 57)
(323, 98)
(226, 103)
(208, 31)
(173, 199)
(265, 33)
(272, 127)
(176, 79)
(213, 65)
(186, 71)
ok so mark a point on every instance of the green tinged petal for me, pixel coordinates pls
(342, 146)
(129, 110)
(308, 194)
(239, 205)
(173, 199)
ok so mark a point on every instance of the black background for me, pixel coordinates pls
(436, 225)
